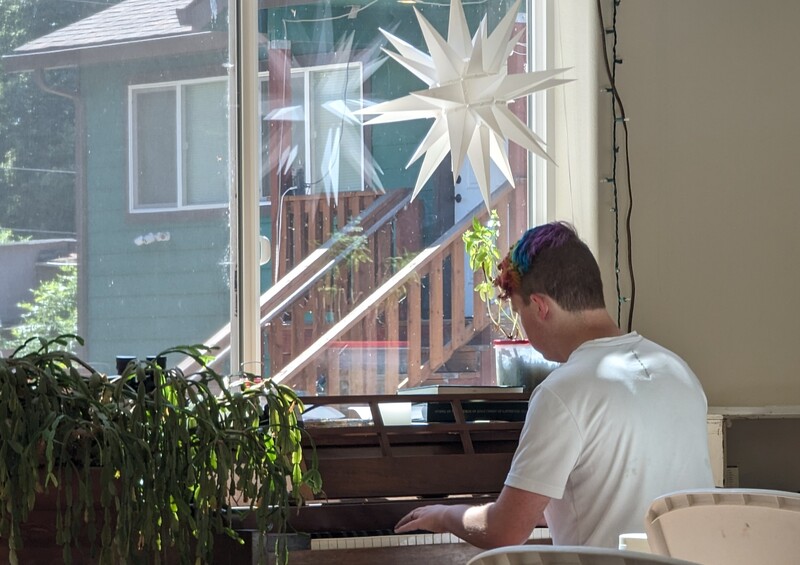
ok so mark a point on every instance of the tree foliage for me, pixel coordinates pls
(52, 312)
(7, 236)
(37, 180)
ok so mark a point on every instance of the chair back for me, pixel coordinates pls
(717, 526)
(569, 555)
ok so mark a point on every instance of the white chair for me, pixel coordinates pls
(569, 555)
(717, 526)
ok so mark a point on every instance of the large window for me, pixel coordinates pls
(127, 134)
(178, 146)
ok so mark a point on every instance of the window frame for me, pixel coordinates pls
(178, 87)
(539, 196)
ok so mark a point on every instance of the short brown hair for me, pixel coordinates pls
(551, 259)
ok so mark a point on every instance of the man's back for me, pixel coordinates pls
(620, 423)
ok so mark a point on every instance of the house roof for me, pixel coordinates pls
(130, 29)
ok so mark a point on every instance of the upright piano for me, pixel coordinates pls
(374, 473)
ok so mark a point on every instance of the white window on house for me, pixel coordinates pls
(320, 138)
(178, 145)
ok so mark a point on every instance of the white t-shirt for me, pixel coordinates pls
(622, 422)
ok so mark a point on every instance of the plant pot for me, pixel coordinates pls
(517, 363)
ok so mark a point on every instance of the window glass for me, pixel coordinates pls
(155, 146)
(298, 156)
(117, 118)
(322, 127)
(370, 291)
(117, 163)
(201, 133)
(205, 147)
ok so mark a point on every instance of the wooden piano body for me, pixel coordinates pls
(373, 474)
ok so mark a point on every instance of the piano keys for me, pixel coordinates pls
(540, 535)
(383, 549)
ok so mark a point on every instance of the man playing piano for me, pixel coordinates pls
(621, 421)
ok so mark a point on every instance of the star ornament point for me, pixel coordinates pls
(469, 90)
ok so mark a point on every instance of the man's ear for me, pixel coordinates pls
(542, 305)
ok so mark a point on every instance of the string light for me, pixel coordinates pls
(351, 13)
(619, 120)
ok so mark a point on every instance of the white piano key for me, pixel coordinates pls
(540, 533)
(399, 540)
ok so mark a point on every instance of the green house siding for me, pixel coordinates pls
(143, 299)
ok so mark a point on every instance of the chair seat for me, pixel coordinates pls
(569, 555)
(726, 526)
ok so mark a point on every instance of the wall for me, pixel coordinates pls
(710, 90)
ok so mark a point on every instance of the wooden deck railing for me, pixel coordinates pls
(326, 283)
(367, 214)
(418, 312)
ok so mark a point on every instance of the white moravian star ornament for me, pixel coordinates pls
(468, 93)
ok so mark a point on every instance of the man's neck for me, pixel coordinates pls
(586, 326)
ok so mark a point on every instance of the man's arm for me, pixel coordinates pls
(508, 521)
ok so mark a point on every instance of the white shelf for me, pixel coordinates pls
(754, 411)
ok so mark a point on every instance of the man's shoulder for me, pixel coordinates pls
(567, 378)
(605, 363)
(629, 342)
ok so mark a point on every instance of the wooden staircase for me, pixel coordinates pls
(393, 327)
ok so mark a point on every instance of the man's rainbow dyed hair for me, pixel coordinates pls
(523, 253)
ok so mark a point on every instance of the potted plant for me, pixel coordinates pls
(136, 472)
(517, 363)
